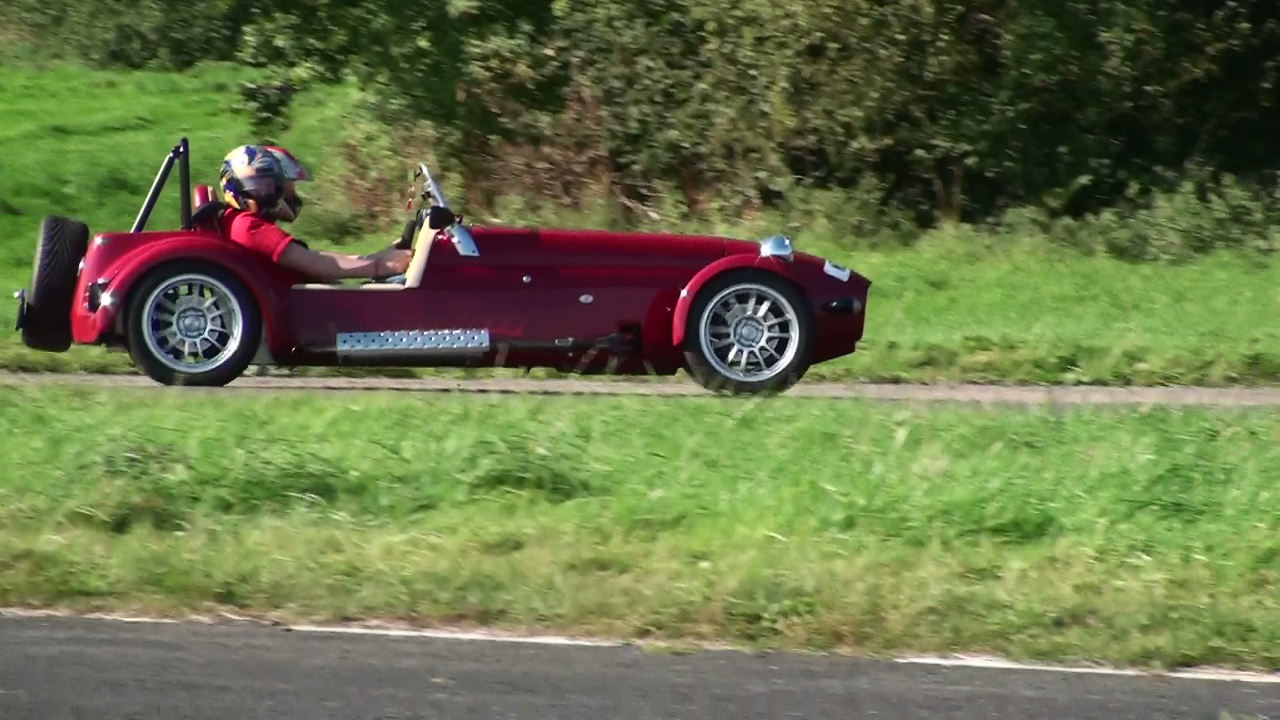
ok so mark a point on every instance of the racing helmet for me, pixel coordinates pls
(294, 172)
(258, 178)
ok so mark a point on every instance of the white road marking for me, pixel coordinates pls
(456, 635)
(994, 663)
(981, 662)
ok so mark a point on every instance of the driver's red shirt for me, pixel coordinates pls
(255, 233)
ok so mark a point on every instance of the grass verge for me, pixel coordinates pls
(1135, 536)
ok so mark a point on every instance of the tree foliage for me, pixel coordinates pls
(952, 109)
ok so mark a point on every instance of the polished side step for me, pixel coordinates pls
(474, 340)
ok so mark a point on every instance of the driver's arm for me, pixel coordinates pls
(334, 266)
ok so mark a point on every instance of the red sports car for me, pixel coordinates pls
(193, 308)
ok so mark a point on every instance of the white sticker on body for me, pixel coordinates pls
(837, 271)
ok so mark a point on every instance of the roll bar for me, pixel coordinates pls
(181, 153)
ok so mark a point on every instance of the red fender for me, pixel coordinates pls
(680, 319)
(268, 282)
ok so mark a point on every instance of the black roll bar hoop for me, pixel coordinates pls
(182, 154)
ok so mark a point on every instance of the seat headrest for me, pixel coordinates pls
(208, 211)
(200, 195)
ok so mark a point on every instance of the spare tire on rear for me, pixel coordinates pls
(47, 322)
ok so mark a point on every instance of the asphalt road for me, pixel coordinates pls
(968, 393)
(55, 668)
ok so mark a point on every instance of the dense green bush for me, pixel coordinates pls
(1199, 215)
(133, 33)
(1191, 220)
(940, 109)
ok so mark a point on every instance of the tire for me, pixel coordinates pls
(201, 306)
(719, 329)
(59, 250)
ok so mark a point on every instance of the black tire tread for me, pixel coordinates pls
(62, 243)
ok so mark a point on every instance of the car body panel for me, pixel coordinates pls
(533, 290)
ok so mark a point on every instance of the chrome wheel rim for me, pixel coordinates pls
(749, 332)
(192, 323)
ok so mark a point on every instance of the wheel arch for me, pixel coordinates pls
(155, 359)
(689, 293)
(126, 280)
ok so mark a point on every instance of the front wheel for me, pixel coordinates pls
(750, 333)
(192, 324)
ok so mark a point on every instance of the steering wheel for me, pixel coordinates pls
(435, 217)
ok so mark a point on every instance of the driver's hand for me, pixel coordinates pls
(393, 262)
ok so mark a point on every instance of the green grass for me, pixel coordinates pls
(955, 312)
(88, 142)
(1135, 536)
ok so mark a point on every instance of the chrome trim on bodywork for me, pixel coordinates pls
(465, 340)
(778, 246)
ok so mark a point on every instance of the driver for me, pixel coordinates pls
(258, 187)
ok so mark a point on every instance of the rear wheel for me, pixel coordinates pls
(750, 333)
(46, 322)
(192, 324)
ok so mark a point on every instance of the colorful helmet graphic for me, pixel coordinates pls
(254, 178)
(294, 170)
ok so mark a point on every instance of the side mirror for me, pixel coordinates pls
(439, 218)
